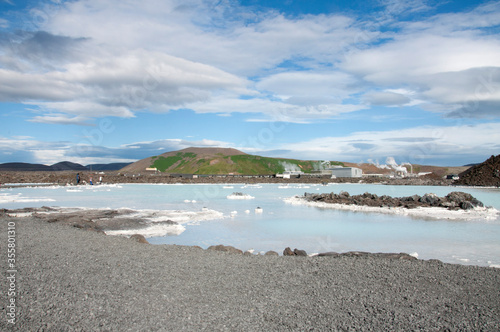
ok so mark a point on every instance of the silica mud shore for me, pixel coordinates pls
(72, 279)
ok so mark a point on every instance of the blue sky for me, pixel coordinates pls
(115, 81)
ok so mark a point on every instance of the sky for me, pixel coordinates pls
(93, 81)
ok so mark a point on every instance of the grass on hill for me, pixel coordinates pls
(189, 163)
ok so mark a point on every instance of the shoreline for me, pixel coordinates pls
(143, 224)
(113, 177)
(74, 279)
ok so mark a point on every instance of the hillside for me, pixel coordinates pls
(106, 167)
(61, 166)
(219, 161)
(484, 174)
(24, 167)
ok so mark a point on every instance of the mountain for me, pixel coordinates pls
(67, 166)
(106, 167)
(485, 174)
(219, 161)
(61, 166)
(24, 167)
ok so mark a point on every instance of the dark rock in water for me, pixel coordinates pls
(414, 198)
(299, 252)
(271, 253)
(288, 252)
(466, 205)
(464, 200)
(139, 238)
(431, 199)
(224, 248)
(458, 197)
(344, 194)
(454, 200)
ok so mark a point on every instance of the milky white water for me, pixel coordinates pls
(269, 221)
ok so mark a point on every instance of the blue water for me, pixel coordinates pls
(281, 225)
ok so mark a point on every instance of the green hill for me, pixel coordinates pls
(221, 161)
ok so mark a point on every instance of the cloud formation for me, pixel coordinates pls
(419, 145)
(115, 58)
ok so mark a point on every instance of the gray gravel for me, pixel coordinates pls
(71, 279)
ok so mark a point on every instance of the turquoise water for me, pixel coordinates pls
(281, 225)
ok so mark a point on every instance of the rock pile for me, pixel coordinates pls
(295, 252)
(223, 248)
(453, 201)
(484, 174)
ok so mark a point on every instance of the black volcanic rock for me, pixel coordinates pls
(453, 201)
(484, 174)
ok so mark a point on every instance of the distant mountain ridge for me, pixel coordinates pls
(61, 166)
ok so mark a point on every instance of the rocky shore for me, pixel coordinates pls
(97, 220)
(65, 177)
(68, 279)
(455, 200)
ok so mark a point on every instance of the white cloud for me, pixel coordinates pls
(117, 86)
(221, 34)
(61, 119)
(4, 23)
(445, 68)
(115, 58)
(386, 98)
(484, 15)
(49, 157)
(398, 7)
(310, 87)
(187, 54)
(275, 110)
(412, 57)
(420, 145)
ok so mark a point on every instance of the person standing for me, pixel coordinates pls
(77, 178)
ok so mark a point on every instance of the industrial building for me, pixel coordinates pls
(340, 172)
(347, 172)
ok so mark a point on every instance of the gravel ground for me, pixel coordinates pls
(69, 279)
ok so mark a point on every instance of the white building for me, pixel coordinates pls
(346, 172)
